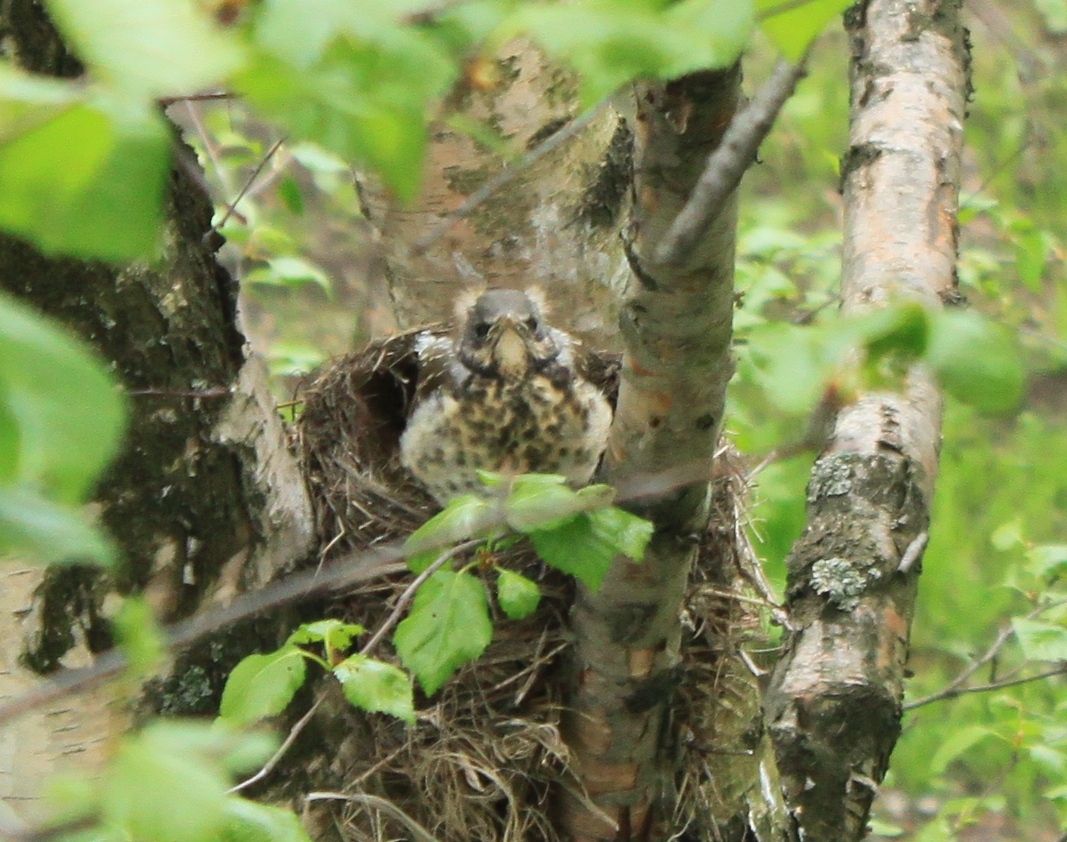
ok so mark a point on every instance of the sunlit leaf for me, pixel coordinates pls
(448, 627)
(517, 595)
(151, 47)
(334, 634)
(377, 687)
(586, 545)
(262, 685)
(1041, 640)
(540, 501)
(794, 26)
(464, 517)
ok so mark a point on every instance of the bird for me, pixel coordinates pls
(504, 394)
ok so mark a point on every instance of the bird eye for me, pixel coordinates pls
(531, 323)
(481, 330)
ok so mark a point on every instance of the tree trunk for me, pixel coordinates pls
(834, 706)
(204, 500)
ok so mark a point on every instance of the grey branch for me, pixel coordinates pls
(728, 163)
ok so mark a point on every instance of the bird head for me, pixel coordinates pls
(504, 334)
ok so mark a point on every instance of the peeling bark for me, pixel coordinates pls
(834, 706)
(676, 326)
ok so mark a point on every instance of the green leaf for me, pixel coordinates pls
(161, 47)
(955, 743)
(351, 77)
(291, 195)
(1032, 251)
(517, 595)
(335, 635)
(160, 787)
(611, 43)
(249, 821)
(262, 685)
(791, 27)
(1008, 535)
(87, 178)
(902, 330)
(586, 546)
(69, 415)
(35, 526)
(140, 637)
(540, 501)
(1041, 641)
(448, 627)
(377, 687)
(977, 361)
(1047, 560)
(287, 271)
(464, 517)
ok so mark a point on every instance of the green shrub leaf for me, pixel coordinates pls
(377, 687)
(462, 518)
(977, 361)
(1041, 641)
(262, 685)
(517, 595)
(448, 627)
(249, 821)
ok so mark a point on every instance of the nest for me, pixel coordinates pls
(485, 760)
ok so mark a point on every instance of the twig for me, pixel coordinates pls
(984, 688)
(494, 185)
(170, 100)
(232, 206)
(955, 687)
(268, 767)
(382, 560)
(409, 594)
(727, 164)
(216, 392)
(420, 833)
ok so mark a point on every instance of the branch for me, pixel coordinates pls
(728, 163)
(953, 692)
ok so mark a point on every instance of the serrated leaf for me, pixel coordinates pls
(586, 546)
(377, 687)
(335, 635)
(465, 517)
(39, 529)
(1040, 640)
(628, 533)
(249, 821)
(160, 787)
(540, 501)
(262, 685)
(793, 27)
(161, 47)
(448, 627)
(976, 361)
(517, 595)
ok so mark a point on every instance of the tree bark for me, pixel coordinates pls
(676, 327)
(834, 706)
(204, 500)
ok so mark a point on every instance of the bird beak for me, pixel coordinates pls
(509, 350)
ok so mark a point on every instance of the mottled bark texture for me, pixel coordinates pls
(676, 327)
(555, 225)
(204, 499)
(834, 706)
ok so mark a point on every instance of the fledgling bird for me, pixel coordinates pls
(507, 398)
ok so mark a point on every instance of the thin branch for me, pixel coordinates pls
(984, 688)
(215, 392)
(503, 179)
(358, 567)
(727, 164)
(409, 594)
(955, 687)
(232, 206)
(268, 767)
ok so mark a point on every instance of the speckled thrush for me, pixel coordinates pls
(506, 397)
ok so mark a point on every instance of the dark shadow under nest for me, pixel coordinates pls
(485, 760)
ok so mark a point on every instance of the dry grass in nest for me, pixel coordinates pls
(486, 760)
